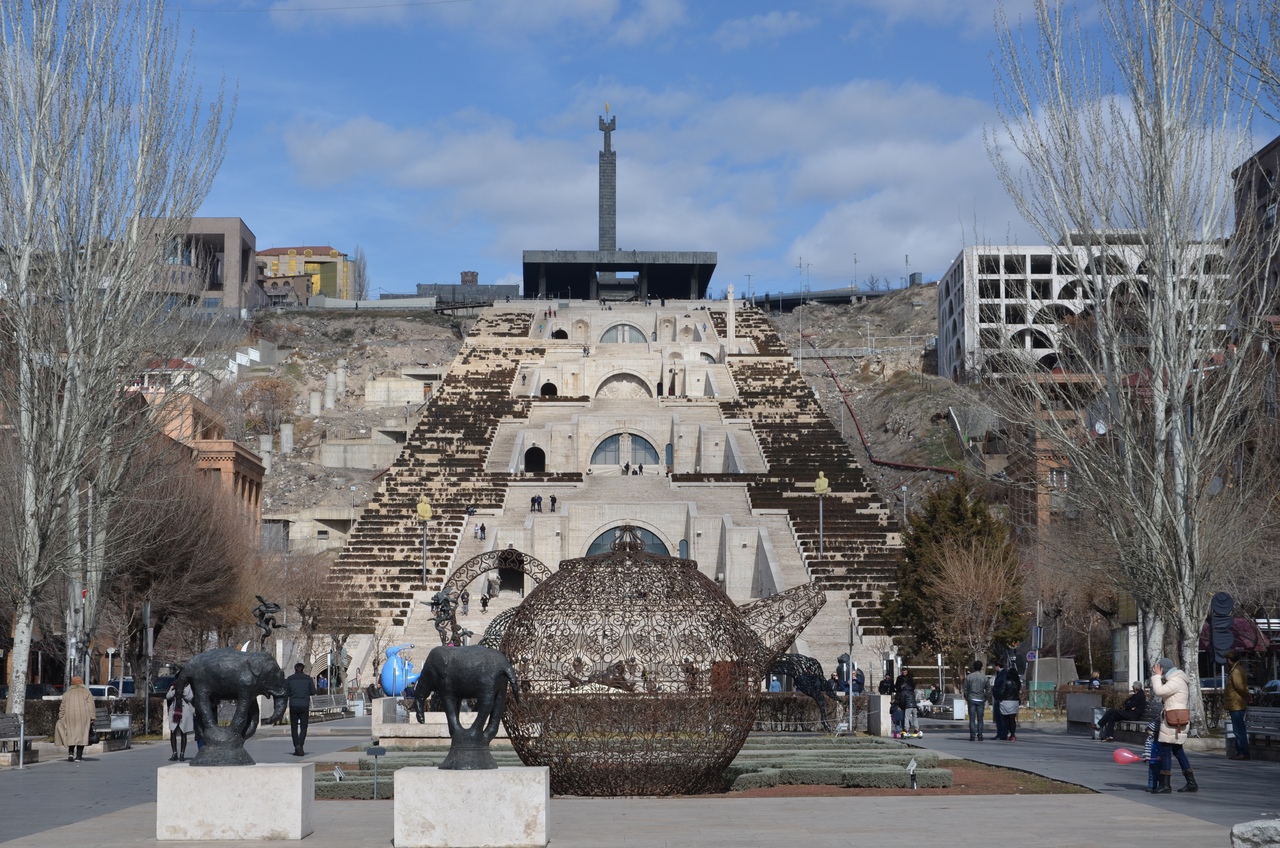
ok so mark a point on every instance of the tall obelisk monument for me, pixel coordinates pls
(608, 195)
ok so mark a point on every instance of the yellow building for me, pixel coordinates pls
(330, 270)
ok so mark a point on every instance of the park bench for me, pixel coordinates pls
(15, 748)
(329, 706)
(1263, 726)
(115, 730)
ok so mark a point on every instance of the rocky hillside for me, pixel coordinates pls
(880, 360)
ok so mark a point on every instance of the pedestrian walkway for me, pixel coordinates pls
(1231, 791)
(109, 803)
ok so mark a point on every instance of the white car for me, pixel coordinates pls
(98, 690)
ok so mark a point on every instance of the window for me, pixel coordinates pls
(989, 289)
(988, 264)
(322, 535)
(625, 447)
(1042, 289)
(1042, 264)
(1015, 289)
(604, 542)
(989, 313)
(624, 334)
(1015, 313)
(1015, 264)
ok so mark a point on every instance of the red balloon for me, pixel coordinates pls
(1124, 757)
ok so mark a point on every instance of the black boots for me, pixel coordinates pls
(1191, 786)
(1163, 787)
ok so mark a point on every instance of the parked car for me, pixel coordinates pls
(125, 686)
(36, 691)
(161, 684)
(99, 690)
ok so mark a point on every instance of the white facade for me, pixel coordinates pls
(997, 299)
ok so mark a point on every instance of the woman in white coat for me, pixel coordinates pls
(1172, 686)
(179, 716)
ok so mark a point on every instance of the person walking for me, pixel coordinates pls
(976, 692)
(906, 686)
(1173, 687)
(465, 600)
(553, 503)
(179, 717)
(300, 688)
(484, 604)
(482, 531)
(1236, 702)
(997, 717)
(1010, 700)
(75, 719)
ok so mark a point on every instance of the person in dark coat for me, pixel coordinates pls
(997, 686)
(300, 687)
(1135, 706)
(1010, 697)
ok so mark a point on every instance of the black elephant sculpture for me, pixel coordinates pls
(465, 673)
(225, 674)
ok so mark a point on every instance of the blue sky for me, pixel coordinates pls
(449, 136)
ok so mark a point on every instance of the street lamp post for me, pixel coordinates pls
(424, 515)
(820, 488)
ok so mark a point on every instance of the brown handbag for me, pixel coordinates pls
(1177, 719)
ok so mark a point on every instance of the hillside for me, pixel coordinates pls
(888, 383)
(901, 409)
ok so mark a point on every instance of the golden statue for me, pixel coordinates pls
(424, 508)
(821, 485)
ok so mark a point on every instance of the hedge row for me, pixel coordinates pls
(862, 777)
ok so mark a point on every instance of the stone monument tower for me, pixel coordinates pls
(608, 194)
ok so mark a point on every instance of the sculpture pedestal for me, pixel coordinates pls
(266, 801)
(496, 808)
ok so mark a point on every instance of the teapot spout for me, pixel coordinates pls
(777, 620)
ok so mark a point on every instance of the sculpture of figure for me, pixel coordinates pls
(473, 672)
(446, 622)
(397, 671)
(225, 674)
(265, 612)
(822, 485)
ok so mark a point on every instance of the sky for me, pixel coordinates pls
(818, 143)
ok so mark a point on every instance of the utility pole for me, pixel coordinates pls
(853, 283)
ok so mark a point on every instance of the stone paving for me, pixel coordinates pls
(110, 802)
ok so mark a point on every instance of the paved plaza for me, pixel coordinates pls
(111, 802)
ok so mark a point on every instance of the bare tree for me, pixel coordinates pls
(1115, 138)
(977, 581)
(268, 403)
(105, 151)
(359, 275)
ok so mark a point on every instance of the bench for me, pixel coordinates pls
(115, 730)
(1263, 726)
(328, 705)
(13, 729)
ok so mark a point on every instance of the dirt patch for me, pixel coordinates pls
(967, 779)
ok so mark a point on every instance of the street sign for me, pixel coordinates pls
(1031, 656)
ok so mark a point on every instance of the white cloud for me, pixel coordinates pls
(976, 15)
(870, 168)
(741, 33)
(653, 18)
(627, 22)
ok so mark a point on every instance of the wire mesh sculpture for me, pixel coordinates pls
(806, 673)
(638, 675)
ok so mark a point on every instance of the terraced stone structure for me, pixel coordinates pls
(684, 419)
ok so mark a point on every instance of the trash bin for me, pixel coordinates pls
(358, 708)
(959, 709)
(1098, 713)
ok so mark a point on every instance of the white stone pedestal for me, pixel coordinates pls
(265, 801)
(494, 808)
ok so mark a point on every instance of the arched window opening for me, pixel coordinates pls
(621, 448)
(548, 390)
(604, 542)
(535, 459)
(624, 334)
(560, 334)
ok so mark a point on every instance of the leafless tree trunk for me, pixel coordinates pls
(105, 152)
(1116, 137)
(359, 275)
